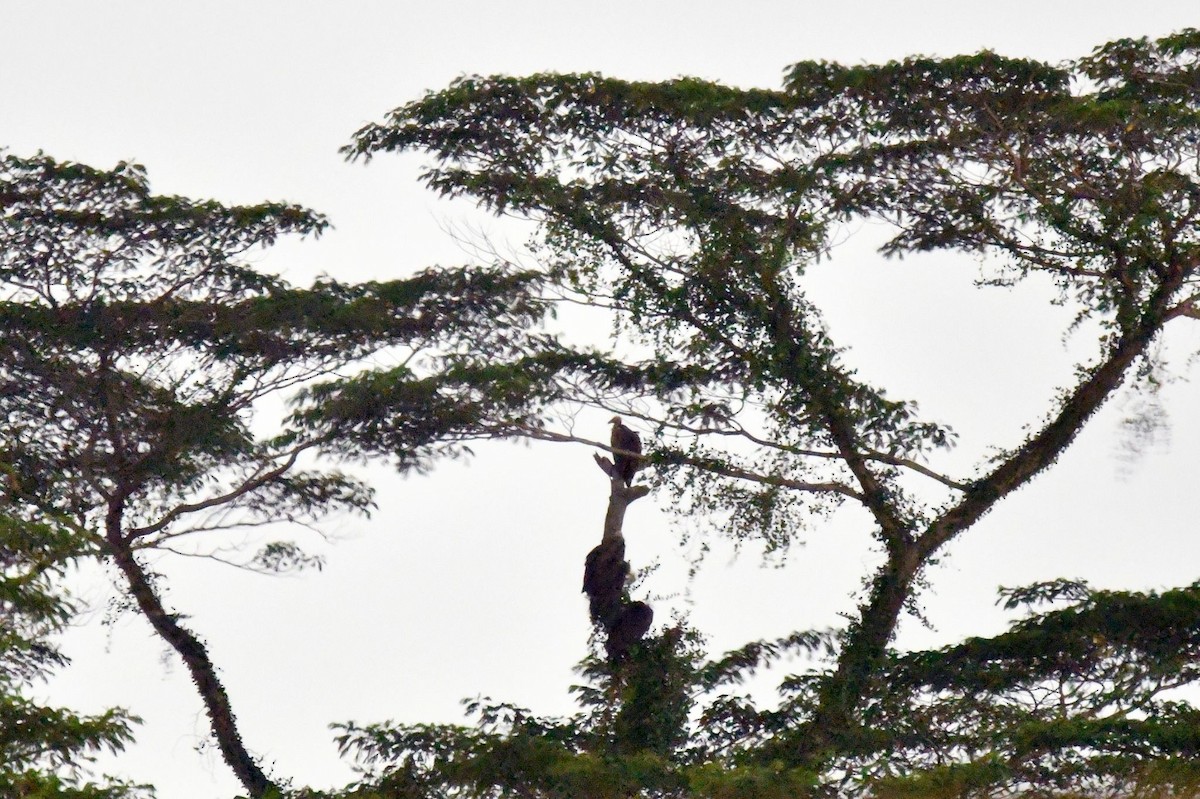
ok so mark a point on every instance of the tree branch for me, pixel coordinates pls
(252, 484)
(739, 431)
(717, 468)
(1044, 448)
(195, 656)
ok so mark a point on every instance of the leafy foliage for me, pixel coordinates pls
(1071, 701)
(44, 750)
(141, 345)
(692, 211)
(631, 736)
(1077, 700)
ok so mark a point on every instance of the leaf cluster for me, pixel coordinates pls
(142, 342)
(1070, 701)
(45, 751)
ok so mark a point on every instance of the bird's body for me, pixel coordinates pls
(624, 442)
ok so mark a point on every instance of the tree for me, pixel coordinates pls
(1071, 701)
(139, 348)
(43, 749)
(1083, 697)
(690, 210)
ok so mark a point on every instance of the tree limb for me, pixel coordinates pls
(195, 656)
(1044, 448)
(716, 468)
(254, 483)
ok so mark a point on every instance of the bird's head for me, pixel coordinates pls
(615, 420)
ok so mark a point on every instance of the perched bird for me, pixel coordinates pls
(625, 466)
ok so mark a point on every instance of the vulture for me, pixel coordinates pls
(625, 466)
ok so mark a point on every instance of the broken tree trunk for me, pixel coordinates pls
(606, 572)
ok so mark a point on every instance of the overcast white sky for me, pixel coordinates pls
(466, 582)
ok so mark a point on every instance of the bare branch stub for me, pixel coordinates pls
(605, 464)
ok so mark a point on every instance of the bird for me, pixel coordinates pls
(625, 466)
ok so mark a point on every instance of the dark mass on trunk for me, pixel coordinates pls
(604, 573)
(630, 627)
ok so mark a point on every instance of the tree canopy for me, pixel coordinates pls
(42, 749)
(142, 346)
(1075, 699)
(691, 211)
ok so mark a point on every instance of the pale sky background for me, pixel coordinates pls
(466, 582)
